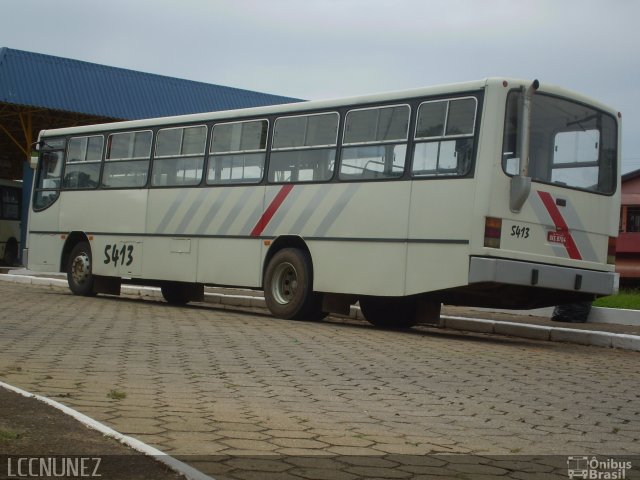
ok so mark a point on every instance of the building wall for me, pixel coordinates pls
(628, 244)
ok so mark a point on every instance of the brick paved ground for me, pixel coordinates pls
(203, 381)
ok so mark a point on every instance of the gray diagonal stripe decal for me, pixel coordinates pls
(309, 208)
(235, 210)
(172, 211)
(213, 211)
(193, 208)
(336, 210)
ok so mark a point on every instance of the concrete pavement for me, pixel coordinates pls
(610, 328)
(243, 386)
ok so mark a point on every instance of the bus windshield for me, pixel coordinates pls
(571, 144)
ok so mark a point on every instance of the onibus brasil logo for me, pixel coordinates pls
(597, 469)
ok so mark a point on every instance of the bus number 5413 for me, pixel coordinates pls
(113, 254)
(519, 232)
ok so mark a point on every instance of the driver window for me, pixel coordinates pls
(49, 171)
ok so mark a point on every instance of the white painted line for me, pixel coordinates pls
(176, 465)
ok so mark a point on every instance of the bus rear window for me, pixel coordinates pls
(572, 145)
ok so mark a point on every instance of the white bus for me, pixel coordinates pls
(399, 201)
(10, 215)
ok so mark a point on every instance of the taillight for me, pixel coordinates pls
(492, 232)
(611, 251)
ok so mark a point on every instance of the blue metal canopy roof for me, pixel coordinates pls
(58, 83)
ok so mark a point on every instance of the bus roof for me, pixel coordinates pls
(321, 104)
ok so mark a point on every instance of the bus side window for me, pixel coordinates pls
(444, 138)
(179, 156)
(237, 153)
(374, 143)
(127, 160)
(82, 168)
(304, 148)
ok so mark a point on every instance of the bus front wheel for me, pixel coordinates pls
(389, 312)
(79, 274)
(288, 286)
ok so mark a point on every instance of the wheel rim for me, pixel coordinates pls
(81, 268)
(285, 283)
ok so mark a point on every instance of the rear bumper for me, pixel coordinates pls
(512, 272)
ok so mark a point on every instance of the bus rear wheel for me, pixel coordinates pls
(176, 293)
(79, 273)
(393, 313)
(288, 286)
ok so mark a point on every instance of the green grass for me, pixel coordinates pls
(7, 435)
(629, 299)
(116, 395)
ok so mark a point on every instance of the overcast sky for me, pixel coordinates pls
(316, 49)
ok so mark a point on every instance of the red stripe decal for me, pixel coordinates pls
(561, 225)
(271, 210)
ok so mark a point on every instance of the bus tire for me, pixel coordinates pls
(175, 293)
(288, 286)
(10, 252)
(393, 313)
(79, 271)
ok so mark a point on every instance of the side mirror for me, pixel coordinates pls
(519, 192)
(33, 157)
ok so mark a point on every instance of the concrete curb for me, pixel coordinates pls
(176, 465)
(469, 324)
(539, 332)
(614, 315)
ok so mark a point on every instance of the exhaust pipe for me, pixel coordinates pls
(521, 183)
